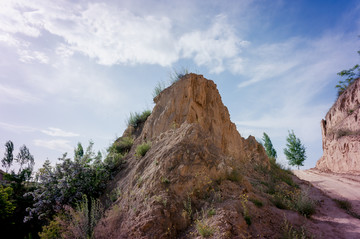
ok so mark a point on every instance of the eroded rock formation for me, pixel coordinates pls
(198, 162)
(341, 134)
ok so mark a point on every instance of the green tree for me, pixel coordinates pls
(351, 75)
(68, 182)
(8, 155)
(6, 204)
(295, 151)
(270, 151)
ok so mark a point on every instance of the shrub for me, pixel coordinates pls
(304, 204)
(203, 229)
(256, 202)
(122, 146)
(136, 119)
(247, 219)
(51, 231)
(343, 204)
(235, 176)
(290, 233)
(142, 149)
(211, 212)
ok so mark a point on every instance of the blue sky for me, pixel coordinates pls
(72, 71)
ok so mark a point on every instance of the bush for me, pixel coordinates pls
(304, 204)
(136, 119)
(142, 149)
(235, 176)
(203, 229)
(51, 231)
(122, 146)
(257, 202)
(343, 204)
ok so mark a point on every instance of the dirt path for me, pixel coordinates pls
(329, 220)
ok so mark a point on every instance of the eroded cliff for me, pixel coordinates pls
(341, 133)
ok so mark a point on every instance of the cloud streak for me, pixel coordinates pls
(60, 145)
(55, 132)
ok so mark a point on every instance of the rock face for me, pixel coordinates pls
(196, 161)
(341, 134)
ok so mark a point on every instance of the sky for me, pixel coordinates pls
(73, 71)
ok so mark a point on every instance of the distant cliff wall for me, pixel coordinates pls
(341, 133)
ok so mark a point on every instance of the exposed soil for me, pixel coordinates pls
(330, 221)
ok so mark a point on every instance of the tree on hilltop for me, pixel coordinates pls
(351, 75)
(295, 151)
(270, 151)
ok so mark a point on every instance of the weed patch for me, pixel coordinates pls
(142, 149)
(136, 119)
(204, 229)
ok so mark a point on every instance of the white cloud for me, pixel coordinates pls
(58, 132)
(213, 46)
(113, 35)
(17, 128)
(28, 56)
(12, 95)
(56, 144)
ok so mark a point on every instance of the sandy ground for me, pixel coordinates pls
(330, 221)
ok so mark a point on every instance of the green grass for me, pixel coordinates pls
(343, 204)
(235, 176)
(256, 202)
(211, 212)
(178, 74)
(304, 204)
(203, 229)
(122, 146)
(247, 219)
(165, 181)
(158, 89)
(136, 119)
(142, 149)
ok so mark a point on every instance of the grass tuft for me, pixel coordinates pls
(136, 119)
(142, 149)
(203, 229)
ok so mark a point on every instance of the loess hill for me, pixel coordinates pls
(199, 178)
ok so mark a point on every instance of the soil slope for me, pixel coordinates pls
(341, 134)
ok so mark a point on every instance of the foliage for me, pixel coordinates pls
(51, 231)
(244, 199)
(68, 181)
(270, 151)
(122, 145)
(343, 204)
(158, 89)
(77, 222)
(176, 75)
(235, 176)
(211, 212)
(256, 202)
(295, 151)
(136, 119)
(304, 204)
(203, 229)
(13, 194)
(8, 155)
(290, 233)
(351, 75)
(7, 206)
(142, 149)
